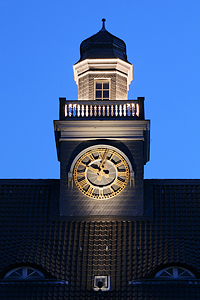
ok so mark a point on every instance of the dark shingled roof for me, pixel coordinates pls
(103, 45)
(76, 251)
(56, 291)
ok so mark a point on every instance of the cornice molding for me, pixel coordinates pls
(103, 65)
(82, 130)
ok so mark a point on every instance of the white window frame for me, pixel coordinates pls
(175, 274)
(99, 80)
(24, 275)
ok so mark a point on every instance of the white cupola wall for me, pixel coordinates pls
(115, 72)
(103, 72)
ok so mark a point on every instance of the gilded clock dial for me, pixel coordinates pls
(101, 173)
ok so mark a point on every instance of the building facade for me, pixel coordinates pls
(101, 231)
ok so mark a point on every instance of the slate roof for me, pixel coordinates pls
(70, 254)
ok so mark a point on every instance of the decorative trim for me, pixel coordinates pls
(82, 130)
(101, 72)
(102, 65)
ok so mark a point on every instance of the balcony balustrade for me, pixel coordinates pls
(117, 109)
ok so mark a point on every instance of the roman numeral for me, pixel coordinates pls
(83, 183)
(119, 183)
(90, 156)
(112, 154)
(101, 152)
(81, 174)
(90, 190)
(122, 173)
(119, 164)
(101, 192)
(111, 189)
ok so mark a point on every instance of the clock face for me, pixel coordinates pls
(101, 173)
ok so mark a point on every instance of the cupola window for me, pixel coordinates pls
(174, 273)
(102, 90)
(24, 273)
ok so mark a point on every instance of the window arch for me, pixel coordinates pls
(24, 273)
(175, 272)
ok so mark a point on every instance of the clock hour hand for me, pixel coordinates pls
(98, 172)
(93, 169)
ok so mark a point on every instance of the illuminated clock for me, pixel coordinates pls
(101, 173)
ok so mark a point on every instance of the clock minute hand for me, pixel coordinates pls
(104, 159)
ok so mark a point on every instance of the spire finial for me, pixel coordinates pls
(103, 25)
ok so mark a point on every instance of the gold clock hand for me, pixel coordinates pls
(99, 177)
(93, 169)
(104, 159)
(102, 173)
(103, 165)
(105, 175)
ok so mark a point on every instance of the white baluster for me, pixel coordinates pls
(82, 110)
(112, 111)
(116, 110)
(137, 109)
(120, 110)
(107, 110)
(124, 110)
(65, 110)
(104, 110)
(86, 111)
(90, 110)
(70, 110)
(78, 110)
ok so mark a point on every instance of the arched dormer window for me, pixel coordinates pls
(175, 273)
(24, 273)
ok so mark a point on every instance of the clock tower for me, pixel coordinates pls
(102, 138)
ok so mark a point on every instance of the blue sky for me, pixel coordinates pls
(39, 44)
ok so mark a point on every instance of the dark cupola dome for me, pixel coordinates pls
(103, 45)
